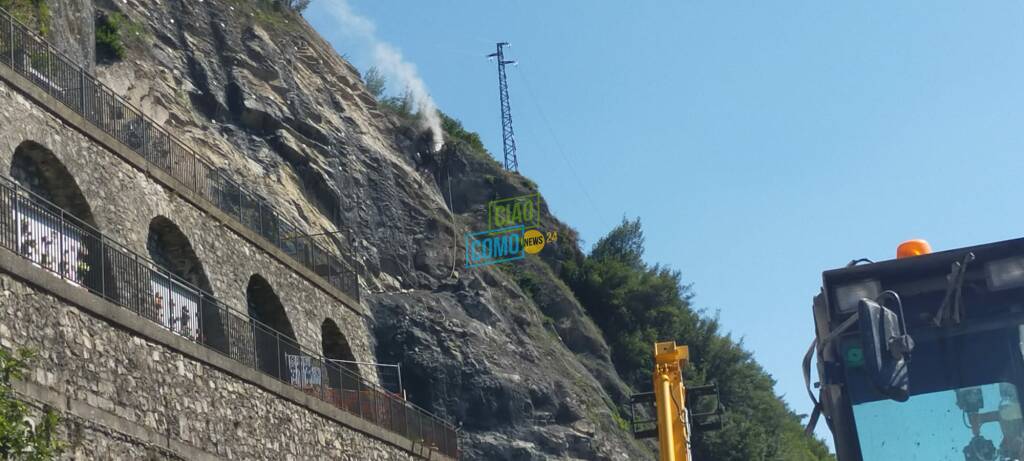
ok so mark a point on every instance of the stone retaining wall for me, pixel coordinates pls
(123, 396)
(124, 200)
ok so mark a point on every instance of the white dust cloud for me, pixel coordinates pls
(391, 64)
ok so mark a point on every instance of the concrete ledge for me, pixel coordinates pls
(117, 316)
(79, 123)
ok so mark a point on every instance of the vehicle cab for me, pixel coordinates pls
(922, 357)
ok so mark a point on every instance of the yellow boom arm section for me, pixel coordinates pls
(670, 400)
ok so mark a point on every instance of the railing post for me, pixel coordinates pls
(444, 439)
(227, 332)
(103, 267)
(359, 395)
(401, 390)
(81, 94)
(144, 128)
(419, 426)
(10, 23)
(60, 246)
(277, 336)
(330, 270)
(375, 410)
(48, 75)
(405, 420)
(200, 312)
(220, 192)
(167, 305)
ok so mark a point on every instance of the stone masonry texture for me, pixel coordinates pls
(89, 360)
(124, 201)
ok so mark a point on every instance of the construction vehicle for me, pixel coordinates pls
(922, 357)
(676, 408)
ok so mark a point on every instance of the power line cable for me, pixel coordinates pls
(455, 222)
(558, 144)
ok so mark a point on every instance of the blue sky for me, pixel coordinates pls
(759, 142)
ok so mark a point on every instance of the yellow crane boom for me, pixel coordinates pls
(670, 400)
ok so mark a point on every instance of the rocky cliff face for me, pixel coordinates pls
(260, 94)
(71, 20)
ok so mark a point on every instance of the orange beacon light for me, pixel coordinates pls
(911, 248)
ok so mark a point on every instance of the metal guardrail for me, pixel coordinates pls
(56, 241)
(35, 59)
(389, 374)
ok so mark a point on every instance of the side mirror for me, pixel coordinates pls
(886, 351)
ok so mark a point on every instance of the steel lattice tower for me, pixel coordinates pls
(508, 135)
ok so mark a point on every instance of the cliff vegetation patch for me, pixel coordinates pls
(297, 6)
(32, 13)
(113, 32)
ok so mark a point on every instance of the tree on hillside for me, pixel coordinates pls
(22, 437)
(454, 130)
(375, 82)
(636, 305)
(294, 5)
(624, 243)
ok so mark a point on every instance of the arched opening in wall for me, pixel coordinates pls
(342, 371)
(52, 225)
(180, 295)
(273, 337)
(35, 168)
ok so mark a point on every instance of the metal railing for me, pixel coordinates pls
(54, 240)
(388, 374)
(35, 59)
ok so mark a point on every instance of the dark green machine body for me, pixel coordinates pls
(922, 358)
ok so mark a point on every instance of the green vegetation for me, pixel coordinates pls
(530, 184)
(528, 281)
(276, 13)
(33, 13)
(375, 82)
(621, 422)
(21, 437)
(470, 141)
(454, 129)
(636, 304)
(112, 30)
(401, 105)
(297, 6)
